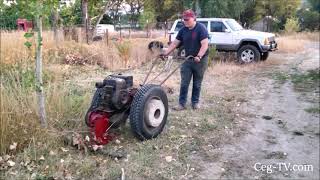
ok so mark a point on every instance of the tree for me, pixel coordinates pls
(217, 8)
(280, 10)
(38, 11)
(8, 16)
(39, 82)
(135, 11)
(247, 17)
(147, 18)
(292, 25)
(315, 5)
(71, 15)
(84, 9)
(106, 8)
(309, 20)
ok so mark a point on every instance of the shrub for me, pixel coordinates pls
(19, 123)
(309, 20)
(292, 25)
(124, 49)
(212, 54)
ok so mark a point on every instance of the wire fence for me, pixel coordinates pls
(81, 33)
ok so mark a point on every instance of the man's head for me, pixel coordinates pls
(189, 18)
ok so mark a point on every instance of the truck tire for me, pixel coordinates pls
(248, 54)
(264, 56)
(149, 111)
(181, 52)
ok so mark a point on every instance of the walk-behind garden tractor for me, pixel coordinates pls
(116, 99)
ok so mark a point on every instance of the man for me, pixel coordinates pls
(194, 38)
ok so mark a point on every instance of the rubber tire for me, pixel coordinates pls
(264, 56)
(256, 52)
(180, 51)
(138, 125)
(94, 104)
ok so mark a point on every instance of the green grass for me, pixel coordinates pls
(307, 81)
(313, 110)
(280, 77)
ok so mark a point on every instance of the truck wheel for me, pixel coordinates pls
(149, 111)
(181, 52)
(264, 56)
(248, 54)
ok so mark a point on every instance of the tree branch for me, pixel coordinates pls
(106, 8)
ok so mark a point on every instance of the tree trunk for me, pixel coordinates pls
(39, 82)
(106, 8)
(197, 8)
(55, 18)
(84, 8)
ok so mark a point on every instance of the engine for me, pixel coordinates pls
(110, 106)
(113, 94)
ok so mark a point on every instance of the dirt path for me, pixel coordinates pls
(282, 139)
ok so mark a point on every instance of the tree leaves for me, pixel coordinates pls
(28, 34)
(28, 44)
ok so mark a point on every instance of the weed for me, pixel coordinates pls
(212, 54)
(306, 81)
(124, 49)
(280, 77)
(313, 110)
(207, 126)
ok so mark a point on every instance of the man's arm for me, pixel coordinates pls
(203, 49)
(172, 47)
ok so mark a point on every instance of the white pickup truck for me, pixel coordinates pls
(228, 35)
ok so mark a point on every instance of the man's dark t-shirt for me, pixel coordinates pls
(191, 38)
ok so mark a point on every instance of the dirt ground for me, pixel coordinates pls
(258, 121)
(278, 132)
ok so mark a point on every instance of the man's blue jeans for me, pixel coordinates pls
(191, 69)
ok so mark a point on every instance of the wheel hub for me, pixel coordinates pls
(183, 53)
(154, 113)
(247, 56)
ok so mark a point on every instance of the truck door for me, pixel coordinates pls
(220, 36)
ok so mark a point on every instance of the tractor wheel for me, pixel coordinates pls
(94, 104)
(149, 111)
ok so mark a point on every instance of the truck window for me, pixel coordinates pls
(179, 26)
(205, 23)
(216, 26)
(234, 25)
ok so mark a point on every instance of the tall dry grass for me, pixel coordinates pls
(101, 53)
(66, 104)
(295, 42)
(66, 100)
